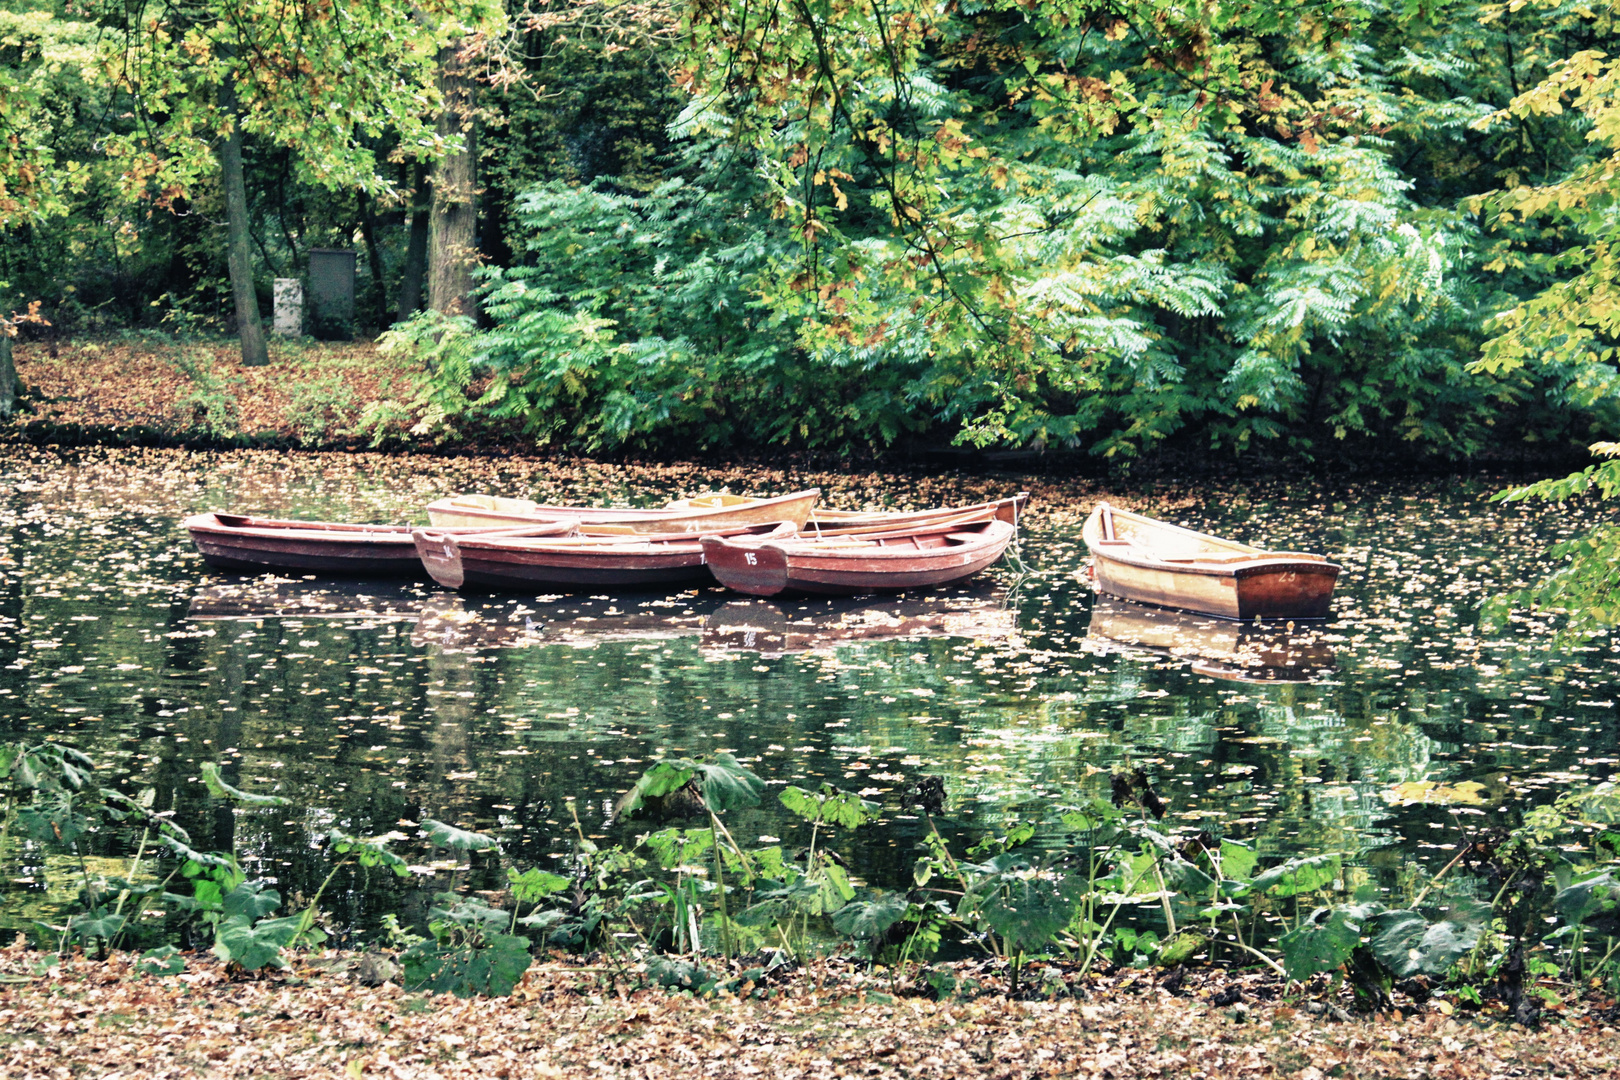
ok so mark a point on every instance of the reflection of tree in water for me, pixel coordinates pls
(1326, 776)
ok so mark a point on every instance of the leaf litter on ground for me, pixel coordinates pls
(320, 1019)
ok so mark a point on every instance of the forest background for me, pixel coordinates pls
(1313, 226)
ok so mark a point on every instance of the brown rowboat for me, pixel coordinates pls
(255, 545)
(1153, 562)
(565, 564)
(705, 514)
(919, 557)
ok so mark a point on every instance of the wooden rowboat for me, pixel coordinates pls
(919, 557)
(1154, 562)
(255, 545)
(706, 514)
(565, 564)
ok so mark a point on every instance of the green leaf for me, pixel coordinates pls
(723, 784)
(729, 785)
(1299, 876)
(865, 920)
(532, 886)
(219, 789)
(163, 960)
(1094, 815)
(1408, 944)
(1323, 941)
(824, 891)
(87, 928)
(1593, 899)
(1237, 860)
(250, 900)
(196, 860)
(680, 847)
(1025, 903)
(492, 970)
(368, 853)
(442, 835)
(829, 806)
(255, 945)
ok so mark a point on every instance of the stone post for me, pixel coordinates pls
(289, 311)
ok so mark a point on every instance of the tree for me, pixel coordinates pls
(1573, 323)
(453, 219)
(321, 79)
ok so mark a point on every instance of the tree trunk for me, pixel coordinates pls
(8, 374)
(239, 254)
(377, 295)
(410, 286)
(452, 252)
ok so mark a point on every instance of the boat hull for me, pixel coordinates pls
(479, 510)
(1171, 567)
(883, 563)
(541, 566)
(251, 545)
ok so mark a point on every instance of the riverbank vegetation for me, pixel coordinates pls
(1517, 923)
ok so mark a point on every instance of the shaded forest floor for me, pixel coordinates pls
(153, 391)
(135, 389)
(321, 1020)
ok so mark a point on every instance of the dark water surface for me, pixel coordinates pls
(1387, 732)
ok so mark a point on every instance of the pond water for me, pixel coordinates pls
(1389, 731)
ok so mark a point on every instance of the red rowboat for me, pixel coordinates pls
(1153, 562)
(255, 545)
(919, 557)
(568, 563)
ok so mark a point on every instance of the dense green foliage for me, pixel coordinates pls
(1083, 223)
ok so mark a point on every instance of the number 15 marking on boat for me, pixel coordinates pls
(752, 560)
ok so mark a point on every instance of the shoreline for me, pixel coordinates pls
(141, 393)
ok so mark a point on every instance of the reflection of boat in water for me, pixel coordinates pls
(776, 626)
(269, 598)
(456, 623)
(1219, 648)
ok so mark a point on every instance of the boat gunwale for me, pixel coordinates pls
(621, 546)
(339, 532)
(841, 548)
(610, 515)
